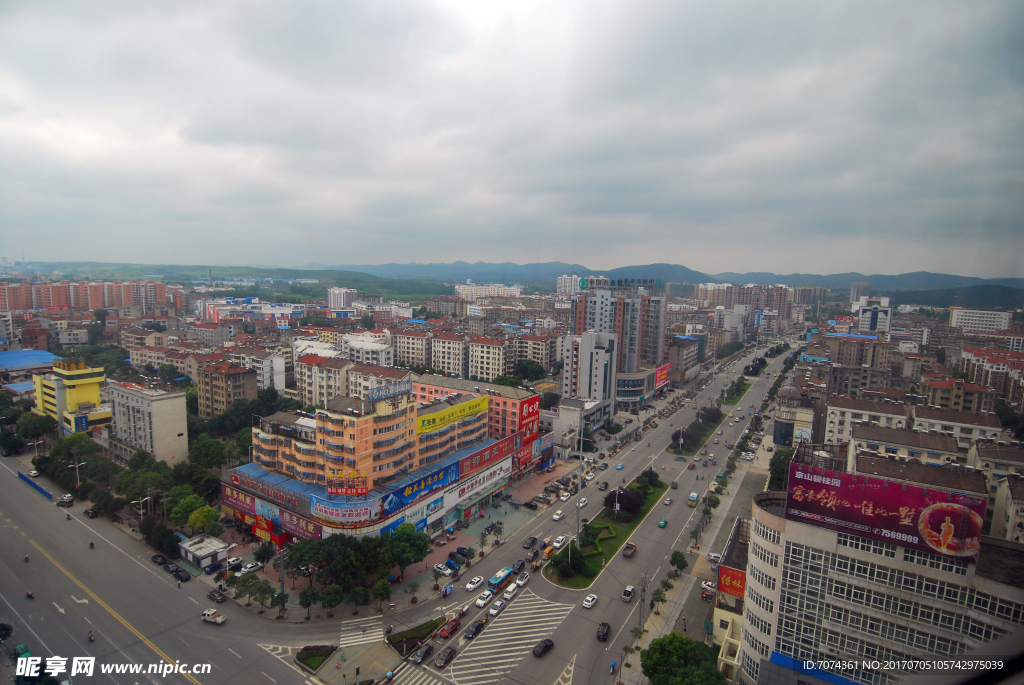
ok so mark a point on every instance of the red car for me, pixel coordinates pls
(450, 628)
(707, 595)
(690, 465)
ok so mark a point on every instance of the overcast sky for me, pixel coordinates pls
(813, 137)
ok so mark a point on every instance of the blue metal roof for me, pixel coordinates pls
(851, 335)
(416, 321)
(686, 337)
(24, 386)
(19, 360)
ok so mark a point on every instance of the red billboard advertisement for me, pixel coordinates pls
(529, 418)
(934, 521)
(661, 375)
(236, 499)
(489, 455)
(732, 581)
(342, 483)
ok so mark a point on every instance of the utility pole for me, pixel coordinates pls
(644, 584)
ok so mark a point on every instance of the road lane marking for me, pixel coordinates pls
(271, 679)
(235, 653)
(113, 613)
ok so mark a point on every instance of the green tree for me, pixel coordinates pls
(366, 321)
(280, 601)
(100, 315)
(263, 553)
(95, 332)
(331, 597)
(192, 401)
(412, 588)
(381, 592)
(31, 426)
(409, 546)
(713, 501)
(307, 598)
(678, 559)
(168, 372)
(530, 370)
(6, 629)
(206, 452)
(263, 592)
(203, 517)
(677, 660)
(359, 596)
(180, 514)
(246, 586)
(549, 399)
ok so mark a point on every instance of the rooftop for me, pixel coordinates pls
(949, 383)
(379, 371)
(204, 545)
(735, 553)
(896, 436)
(1001, 561)
(473, 386)
(997, 452)
(18, 388)
(951, 416)
(944, 477)
(20, 360)
(866, 406)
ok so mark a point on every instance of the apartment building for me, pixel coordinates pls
(364, 378)
(902, 445)
(636, 315)
(412, 348)
(853, 380)
(447, 306)
(856, 583)
(449, 354)
(475, 292)
(146, 419)
(857, 350)
(684, 356)
(222, 384)
(196, 361)
(362, 349)
(320, 379)
(155, 356)
(211, 334)
(959, 395)
(86, 296)
(1008, 512)
(70, 395)
(964, 427)
(589, 366)
(537, 348)
(269, 366)
(843, 413)
(489, 358)
(132, 337)
(510, 409)
(995, 461)
(341, 298)
(979, 320)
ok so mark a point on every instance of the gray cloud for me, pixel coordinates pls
(815, 137)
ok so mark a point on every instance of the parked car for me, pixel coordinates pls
(532, 506)
(443, 570)
(422, 653)
(445, 657)
(65, 503)
(33, 474)
(452, 565)
(252, 567)
(91, 513)
(708, 585)
(213, 568)
(543, 647)
(474, 583)
(463, 552)
(183, 575)
(172, 568)
(158, 559)
(714, 558)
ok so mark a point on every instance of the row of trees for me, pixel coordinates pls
(239, 416)
(691, 437)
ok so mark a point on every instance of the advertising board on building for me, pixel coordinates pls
(525, 456)
(255, 485)
(350, 483)
(343, 513)
(236, 499)
(484, 480)
(386, 391)
(408, 494)
(930, 520)
(489, 455)
(547, 441)
(732, 581)
(440, 419)
(529, 419)
(661, 375)
(301, 527)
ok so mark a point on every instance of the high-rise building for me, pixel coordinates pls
(147, 419)
(341, 298)
(859, 290)
(70, 395)
(979, 320)
(589, 366)
(636, 315)
(568, 285)
(221, 385)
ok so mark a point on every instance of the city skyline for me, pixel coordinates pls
(869, 138)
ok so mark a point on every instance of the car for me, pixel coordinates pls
(445, 657)
(558, 515)
(714, 558)
(172, 568)
(252, 567)
(543, 647)
(582, 503)
(618, 467)
(213, 568)
(565, 497)
(603, 630)
(589, 476)
(233, 561)
(422, 653)
(473, 584)
(559, 541)
(705, 462)
(217, 596)
(65, 503)
(67, 498)
(708, 585)
(33, 474)
(627, 594)
(158, 559)
(532, 554)
(768, 449)
(443, 570)
(720, 432)
(662, 523)
(496, 607)
(574, 489)
(602, 467)
(182, 575)
(463, 552)
(603, 486)
(474, 629)
(91, 513)
(529, 542)
(628, 421)
(532, 506)
(523, 579)
(451, 627)
(690, 465)
(716, 441)
(484, 599)
(510, 592)
(696, 457)
(589, 601)
(668, 501)
(707, 595)
(452, 565)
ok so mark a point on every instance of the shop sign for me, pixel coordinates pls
(257, 486)
(342, 512)
(732, 581)
(300, 527)
(489, 455)
(241, 501)
(483, 480)
(399, 499)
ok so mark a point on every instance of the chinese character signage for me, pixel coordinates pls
(732, 581)
(348, 483)
(235, 498)
(344, 513)
(410, 492)
(386, 391)
(489, 455)
(439, 419)
(470, 487)
(929, 520)
(661, 376)
(300, 527)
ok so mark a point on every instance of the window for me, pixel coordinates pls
(750, 666)
(761, 601)
(875, 547)
(761, 577)
(769, 534)
(758, 622)
(764, 555)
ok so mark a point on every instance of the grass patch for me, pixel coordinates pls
(314, 656)
(734, 398)
(612, 529)
(707, 430)
(411, 639)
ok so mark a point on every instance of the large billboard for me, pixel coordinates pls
(385, 391)
(408, 494)
(439, 419)
(300, 527)
(661, 375)
(929, 520)
(347, 483)
(236, 499)
(529, 418)
(489, 455)
(344, 513)
(732, 581)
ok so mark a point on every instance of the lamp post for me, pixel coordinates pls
(140, 503)
(77, 477)
(35, 446)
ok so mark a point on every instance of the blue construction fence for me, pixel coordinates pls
(36, 485)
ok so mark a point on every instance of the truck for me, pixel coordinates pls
(628, 550)
(211, 616)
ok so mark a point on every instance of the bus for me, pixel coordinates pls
(692, 501)
(500, 580)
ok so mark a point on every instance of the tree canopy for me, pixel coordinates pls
(677, 660)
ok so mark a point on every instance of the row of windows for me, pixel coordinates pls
(764, 555)
(936, 561)
(761, 577)
(769, 534)
(758, 622)
(884, 549)
(751, 666)
(755, 644)
(760, 600)
(801, 649)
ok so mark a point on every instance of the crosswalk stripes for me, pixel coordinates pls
(511, 636)
(282, 652)
(361, 632)
(565, 678)
(407, 674)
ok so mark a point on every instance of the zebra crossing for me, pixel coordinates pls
(408, 674)
(488, 657)
(361, 632)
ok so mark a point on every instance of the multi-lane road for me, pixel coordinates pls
(139, 615)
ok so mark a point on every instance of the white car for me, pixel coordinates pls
(250, 568)
(708, 585)
(484, 598)
(582, 503)
(443, 570)
(558, 515)
(559, 541)
(589, 601)
(565, 497)
(33, 474)
(233, 561)
(510, 592)
(496, 607)
(719, 432)
(474, 584)
(590, 476)
(523, 579)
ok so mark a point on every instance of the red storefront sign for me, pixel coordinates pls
(732, 581)
(490, 455)
(935, 521)
(238, 500)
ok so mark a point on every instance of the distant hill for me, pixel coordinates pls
(917, 280)
(973, 297)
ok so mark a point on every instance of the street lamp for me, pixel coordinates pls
(140, 502)
(35, 446)
(77, 477)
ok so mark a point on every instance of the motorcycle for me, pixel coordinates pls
(92, 546)
(69, 517)
(26, 558)
(92, 638)
(390, 628)
(30, 594)
(613, 667)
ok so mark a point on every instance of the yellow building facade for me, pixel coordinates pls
(71, 396)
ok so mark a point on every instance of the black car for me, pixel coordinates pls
(603, 466)
(183, 576)
(90, 513)
(573, 490)
(518, 566)
(158, 559)
(171, 568)
(454, 555)
(603, 630)
(530, 505)
(529, 542)
(422, 653)
(65, 503)
(213, 568)
(474, 629)
(445, 657)
(463, 551)
(603, 486)
(543, 647)
(217, 596)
